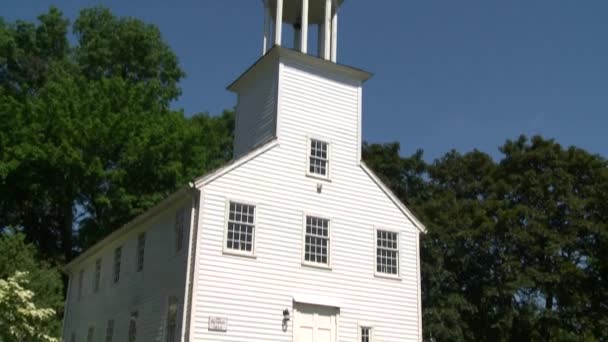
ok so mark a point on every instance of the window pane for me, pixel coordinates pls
(241, 227)
(318, 158)
(387, 252)
(316, 242)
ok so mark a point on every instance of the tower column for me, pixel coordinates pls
(327, 30)
(334, 36)
(278, 28)
(267, 27)
(304, 33)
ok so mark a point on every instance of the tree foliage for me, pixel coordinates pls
(87, 138)
(516, 248)
(31, 292)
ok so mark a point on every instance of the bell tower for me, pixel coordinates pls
(302, 14)
(292, 94)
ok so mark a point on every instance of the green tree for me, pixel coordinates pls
(29, 285)
(20, 319)
(87, 139)
(516, 248)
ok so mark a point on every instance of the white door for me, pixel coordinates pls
(314, 323)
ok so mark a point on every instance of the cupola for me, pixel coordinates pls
(302, 15)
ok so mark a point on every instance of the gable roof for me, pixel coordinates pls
(415, 221)
(117, 234)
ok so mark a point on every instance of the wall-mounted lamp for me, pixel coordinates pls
(286, 317)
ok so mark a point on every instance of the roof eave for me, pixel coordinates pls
(278, 52)
(182, 192)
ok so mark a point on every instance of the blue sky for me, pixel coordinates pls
(448, 74)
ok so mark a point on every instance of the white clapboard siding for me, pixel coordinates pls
(256, 110)
(146, 292)
(253, 292)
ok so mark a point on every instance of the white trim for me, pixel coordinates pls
(419, 287)
(328, 166)
(228, 251)
(317, 300)
(381, 274)
(191, 286)
(394, 198)
(280, 53)
(305, 263)
(359, 121)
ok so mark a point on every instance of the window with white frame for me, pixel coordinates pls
(241, 227)
(387, 252)
(318, 163)
(365, 334)
(179, 229)
(91, 334)
(141, 249)
(80, 280)
(133, 326)
(110, 330)
(171, 319)
(97, 280)
(316, 243)
(117, 257)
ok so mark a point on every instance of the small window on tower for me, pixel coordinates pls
(318, 159)
(365, 334)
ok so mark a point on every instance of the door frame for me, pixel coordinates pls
(293, 323)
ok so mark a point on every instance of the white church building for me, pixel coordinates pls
(295, 240)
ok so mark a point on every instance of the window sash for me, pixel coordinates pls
(141, 249)
(133, 327)
(317, 241)
(240, 230)
(117, 257)
(365, 334)
(110, 330)
(91, 334)
(80, 281)
(318, 162)
(171, 320)
(97, 275)
(179, 229)
(387, 252)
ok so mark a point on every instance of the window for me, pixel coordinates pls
(117, 256)
(133, 327)
(171, 320)
(110, 330)
(73, 337)
(97, 275)
(141, 248)
(241, 227)
(91, 334)
(387, 252)
(318, 163)
(80, 280)
(316, 245)
(179, 229)
(365, 334)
